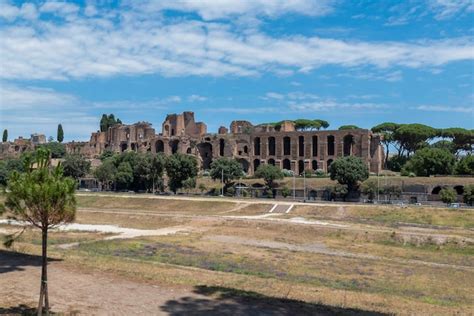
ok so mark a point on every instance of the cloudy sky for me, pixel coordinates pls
(348, 62)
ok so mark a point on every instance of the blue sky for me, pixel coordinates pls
(348, 62)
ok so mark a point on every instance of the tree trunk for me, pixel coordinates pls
(44, 300)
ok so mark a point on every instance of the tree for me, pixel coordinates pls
(105, 173)
(7, 167)
(462, 139)
(412, 137)
(44, 198)
(76, 166)
(468, 196)
(60, 136)
(148, 171)
(202, 187)
(5, 136)
(56, 149)
(227, 170)
(124, 176)
(350, 171)
(180, 167)
(108, 121)
(431, 161)
(386, 130)
(348, 127)
(391, 190)
(322, 123)
(269, 174)
(446, 145)
(447, 195)
(465, 166)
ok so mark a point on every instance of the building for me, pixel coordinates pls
(251, 145)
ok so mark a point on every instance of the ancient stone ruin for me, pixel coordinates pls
(252, 145)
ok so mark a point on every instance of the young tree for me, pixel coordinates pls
(180, 167)
(44, 198)
(124, 175)
(447, 195)
(431, 161)
(228, 169)
(60, 136)
(350, 171)
(5, 135)
(76, 166)
(269, 174)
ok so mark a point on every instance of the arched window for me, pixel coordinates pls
(436, 190)
(246, 149)
(271, 146)
(174, 146)
(300, 166)
(286, 146)
(256, 146)
(315, 146)
(348, 141)
(221, 147)
(160, 146)
(329, 164)
(287, 164)
(314, 165)
(301, 146)
(271, 162)
(330, 145)
(256, 164)
(123, 147)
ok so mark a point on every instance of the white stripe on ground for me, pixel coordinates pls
(273, 208)
(289, 208)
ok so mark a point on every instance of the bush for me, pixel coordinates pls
(230, 191)
(469, 194)
(447, 195)
(285, 191)
(320, 173)
(287, 173)
(396, 163)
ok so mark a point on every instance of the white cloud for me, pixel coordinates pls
(445, 9)
(219, 9)
(328, 105)
(196, 98)
(127, 43)
(442, 108)
(274, 95)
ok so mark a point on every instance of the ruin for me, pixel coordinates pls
(252, 145)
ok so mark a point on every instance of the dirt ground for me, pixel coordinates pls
(237, 258)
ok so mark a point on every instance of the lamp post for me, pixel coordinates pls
(222, 182)
(294, 186)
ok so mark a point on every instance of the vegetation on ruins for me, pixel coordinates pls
(179, 168)
(349, 171)
(269, 174)
(60, 134)
(5, 135)
(227, 170)
(8, 166)
(302, 124)
(57, 150)
(430, 161)
(447, 195)
(370, 188)
(44, 198)
(348, 127)
(108, 121)
(76, 166)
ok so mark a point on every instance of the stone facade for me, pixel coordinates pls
(251, 145)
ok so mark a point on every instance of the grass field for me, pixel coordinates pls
(346, 258)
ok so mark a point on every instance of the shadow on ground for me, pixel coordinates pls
(15, 261)
(228, 301)
(18, 310)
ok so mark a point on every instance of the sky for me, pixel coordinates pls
(344, 61)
